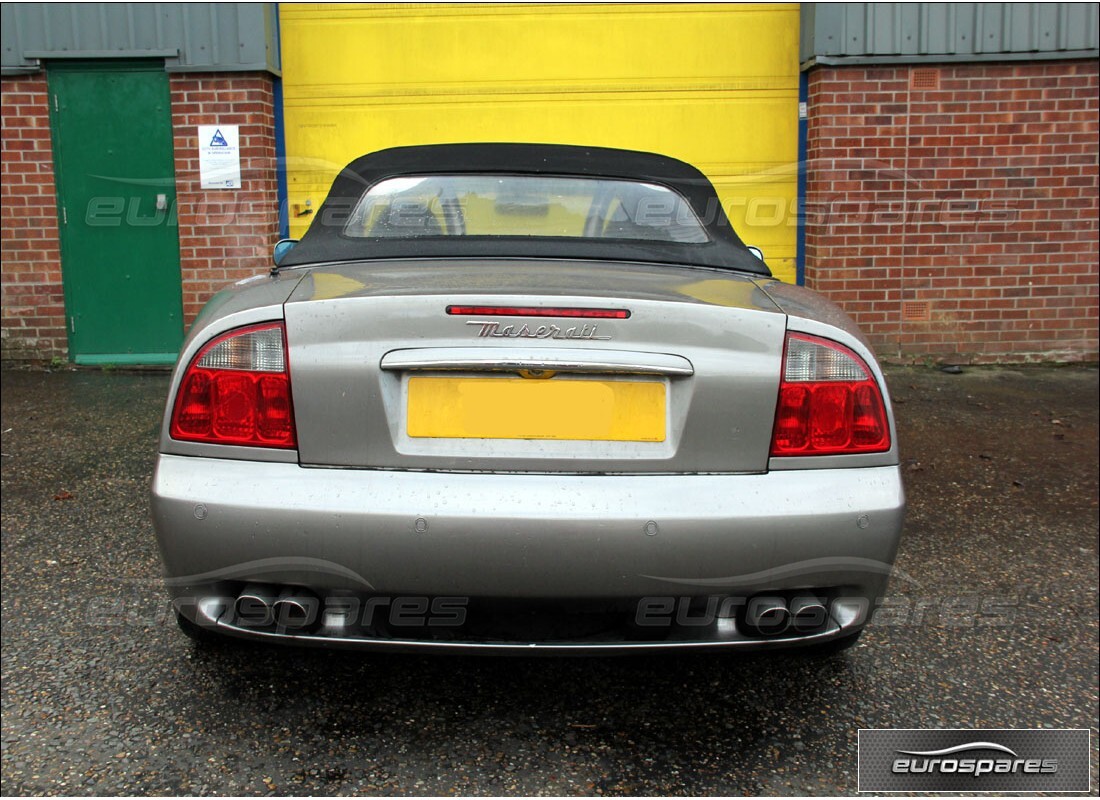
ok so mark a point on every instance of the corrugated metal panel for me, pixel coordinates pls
(955, 31)
(190, 36)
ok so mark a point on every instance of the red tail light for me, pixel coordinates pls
(829, 402)
(237, 391)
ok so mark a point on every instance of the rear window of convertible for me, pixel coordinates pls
(523, 205)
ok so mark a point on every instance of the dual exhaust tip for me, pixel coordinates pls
(292, 608)
(771, 616)
(260, 606)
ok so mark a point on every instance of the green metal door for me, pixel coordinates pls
(112, 139)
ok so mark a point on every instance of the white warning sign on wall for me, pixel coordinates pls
(220, 156)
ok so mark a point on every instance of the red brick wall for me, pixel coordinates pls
(225, 234)
(958, 223)
(33, 315)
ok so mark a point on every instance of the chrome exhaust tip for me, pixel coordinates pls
(253, 606)
(767, 615)
(808, 614)
(296, 609)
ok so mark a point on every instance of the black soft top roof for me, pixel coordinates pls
(325, 241)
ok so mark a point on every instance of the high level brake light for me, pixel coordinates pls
(539, 311)
(829, 402)
(237, 391)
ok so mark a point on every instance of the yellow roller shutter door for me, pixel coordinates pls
(714, 85)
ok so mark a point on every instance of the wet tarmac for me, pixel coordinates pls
(991, 622)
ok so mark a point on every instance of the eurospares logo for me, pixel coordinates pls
(1003, 760)
(950, 761)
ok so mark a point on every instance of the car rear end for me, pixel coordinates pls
(515, 455)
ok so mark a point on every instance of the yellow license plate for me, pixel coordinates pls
(523, 408)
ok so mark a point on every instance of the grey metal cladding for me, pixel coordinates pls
(892, 32)
(193, 37)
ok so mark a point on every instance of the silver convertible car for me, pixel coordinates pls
(516, 398)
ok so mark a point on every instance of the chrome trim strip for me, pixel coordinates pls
(499, 359)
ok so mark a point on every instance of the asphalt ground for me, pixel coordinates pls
(992, 622)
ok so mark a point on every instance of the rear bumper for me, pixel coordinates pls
(525, 537)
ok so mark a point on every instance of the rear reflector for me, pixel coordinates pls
(237, 391)
(829, 402)
(539, 311)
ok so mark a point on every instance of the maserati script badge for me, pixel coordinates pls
(497, 331)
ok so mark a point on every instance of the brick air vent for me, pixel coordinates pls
(916, 311)
(924, 79)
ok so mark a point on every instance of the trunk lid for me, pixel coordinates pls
(384, 377)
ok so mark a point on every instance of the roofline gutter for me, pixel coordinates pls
(946, 58)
